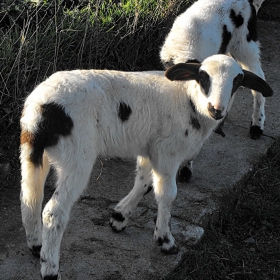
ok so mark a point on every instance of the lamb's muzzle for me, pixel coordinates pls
(215, 114)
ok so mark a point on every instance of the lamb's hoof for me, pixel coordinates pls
(256, 132)
(36, 250)
(116, 222)
(184, 175)
(172, 251)
(115, 228)
(52, 277)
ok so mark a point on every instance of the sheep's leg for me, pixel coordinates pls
(251, 61)
(165, 192)
(32, 192)
(73, 176)
(142, 185)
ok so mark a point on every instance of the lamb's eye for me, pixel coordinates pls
(204, 81)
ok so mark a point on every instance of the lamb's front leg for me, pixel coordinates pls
(165, 192)
(142, 185)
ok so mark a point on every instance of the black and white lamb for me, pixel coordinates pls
(218, 27)
(75, 116)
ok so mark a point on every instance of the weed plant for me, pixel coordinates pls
(37, 39)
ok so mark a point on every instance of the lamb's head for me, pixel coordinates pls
(219, 76)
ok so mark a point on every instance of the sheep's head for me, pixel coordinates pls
(219, 76)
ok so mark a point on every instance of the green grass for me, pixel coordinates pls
(37, 40)
(245, 242)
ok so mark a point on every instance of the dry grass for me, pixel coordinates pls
(37, 40)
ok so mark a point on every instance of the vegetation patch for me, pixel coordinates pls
(42, 37)
(245, 242)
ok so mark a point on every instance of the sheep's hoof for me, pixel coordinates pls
(117, 222)
(52, 277)
(256, 132)
(36, 250)
(172, 251)
(184, 175)
(115, 228)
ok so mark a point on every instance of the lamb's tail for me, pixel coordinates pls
(41, 127)
(34, 163)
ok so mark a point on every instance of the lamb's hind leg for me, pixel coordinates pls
(32, 192)
(72, 177)
(142, 185)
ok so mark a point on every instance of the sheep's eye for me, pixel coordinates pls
(204, 81)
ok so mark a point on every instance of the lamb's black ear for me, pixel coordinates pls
(253, 81)
(183, 72)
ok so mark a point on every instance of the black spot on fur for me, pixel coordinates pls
(184, 175)
(252, 25)
(237, 20)
(118, 216)
(195, 123)
(186, 132)
(148, 190)
(165, 239)
(192, 106)
(226, 37)
(36, 251)
(124, 111)
(53, 124)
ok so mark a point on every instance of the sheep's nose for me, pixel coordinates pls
(215, 114)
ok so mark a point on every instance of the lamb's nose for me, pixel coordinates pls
(215, 114)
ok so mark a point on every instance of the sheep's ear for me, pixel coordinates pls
(183, 72)
(253, 81)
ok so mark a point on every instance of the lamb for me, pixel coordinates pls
(211, 27)
(75, 116)
(223, 26)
